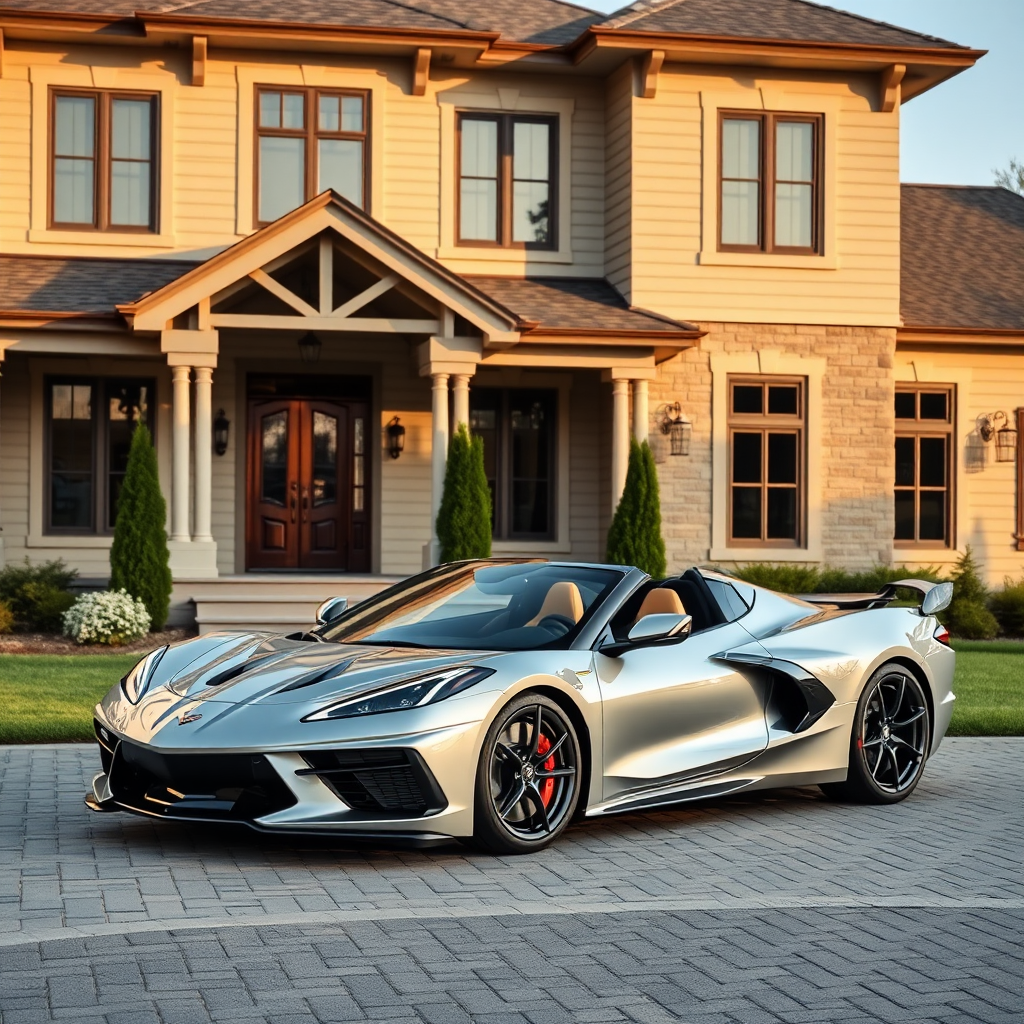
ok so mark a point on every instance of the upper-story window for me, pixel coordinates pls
(770, 183)
(307, 141)
(507, 182)
(103, 160)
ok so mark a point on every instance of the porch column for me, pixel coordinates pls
(438, 454)
(620, 437)
(204, 449)
(640, 412)
(460, 399)
(180, 454)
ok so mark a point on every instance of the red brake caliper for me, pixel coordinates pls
(547, 786)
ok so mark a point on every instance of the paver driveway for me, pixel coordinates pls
(775, 907)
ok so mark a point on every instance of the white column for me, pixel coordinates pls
(460, 399)
(620, 438)
(438, 453)
(179, 454)
(204, 454)
(640, 424)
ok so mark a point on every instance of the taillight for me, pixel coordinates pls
(941, 634)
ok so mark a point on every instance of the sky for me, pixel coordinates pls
(959, 131)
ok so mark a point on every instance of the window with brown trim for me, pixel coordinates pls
(88, 430)
(518, 427)
(507, 180)
(307, 141)
(767, 424)
(103, 163)
(924, 466)
(769, 192)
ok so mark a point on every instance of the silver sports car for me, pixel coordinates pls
(496, 701)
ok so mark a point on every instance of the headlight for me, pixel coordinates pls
(135, 684)
(412, 693)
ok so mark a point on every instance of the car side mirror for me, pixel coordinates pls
(331, 609)
(937, 599)
(651, 629)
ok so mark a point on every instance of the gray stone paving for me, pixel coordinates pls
(774, 907)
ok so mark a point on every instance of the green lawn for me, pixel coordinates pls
(49, 698)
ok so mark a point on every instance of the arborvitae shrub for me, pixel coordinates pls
(464, 519)
(139, 559)
(634, 537)
(968, 615)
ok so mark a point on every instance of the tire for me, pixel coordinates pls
(889, 741)
(528, 777)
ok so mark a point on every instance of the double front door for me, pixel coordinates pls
(307, 485)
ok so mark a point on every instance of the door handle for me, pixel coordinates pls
(294, 499)
(305, 503)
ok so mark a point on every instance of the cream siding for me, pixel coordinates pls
(618, 222)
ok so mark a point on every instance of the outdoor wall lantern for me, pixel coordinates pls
(221, 427)
(309, 347)
(1006, 436)
(678, 427)
(396, 438)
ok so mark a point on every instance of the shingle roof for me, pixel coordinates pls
(552, 22)
(765, 19)
(48, 284)
(962, 257)
(572, 303)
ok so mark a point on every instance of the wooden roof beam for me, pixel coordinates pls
(199, 60)
(420, 71)
(890, 80)
(649, 70)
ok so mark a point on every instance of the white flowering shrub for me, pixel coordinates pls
(107, 617)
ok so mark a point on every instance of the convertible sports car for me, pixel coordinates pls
(494, 701)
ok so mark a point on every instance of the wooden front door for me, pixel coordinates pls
(307, 488)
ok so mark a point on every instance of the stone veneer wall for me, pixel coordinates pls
(857, 447)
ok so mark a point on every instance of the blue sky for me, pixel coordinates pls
(959, 131)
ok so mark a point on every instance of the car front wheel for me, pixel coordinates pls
(889, 744)
(528, 778)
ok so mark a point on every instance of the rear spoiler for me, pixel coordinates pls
(935, 597)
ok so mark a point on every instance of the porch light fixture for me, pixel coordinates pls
(221, 428)
(678, 427)
(1005, 436)
(309, 347)
(396, 438)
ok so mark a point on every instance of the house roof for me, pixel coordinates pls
(573, 304)
(544, 22)
(765, 19)
(962, 257)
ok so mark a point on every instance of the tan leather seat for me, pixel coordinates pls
(660, 601)
(561, 599)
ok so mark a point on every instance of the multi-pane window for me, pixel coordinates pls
(89, 424)
(770, 175)
(924, 466)
(507, 180)
(307, 141)
(766, 461)
(517, 426)
(103, 161)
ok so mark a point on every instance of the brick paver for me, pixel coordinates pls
(773, 907)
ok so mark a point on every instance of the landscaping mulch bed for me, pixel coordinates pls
(54, 643)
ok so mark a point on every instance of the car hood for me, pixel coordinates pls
(257, 668)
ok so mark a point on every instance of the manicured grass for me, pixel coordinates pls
(989, 688)
(49, 698)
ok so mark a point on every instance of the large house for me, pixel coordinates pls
(303, 242)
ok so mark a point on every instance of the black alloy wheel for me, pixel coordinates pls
(528, 778)
(889, 745)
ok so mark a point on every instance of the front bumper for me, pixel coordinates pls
(378, 789)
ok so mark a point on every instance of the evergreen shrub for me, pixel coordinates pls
(1008, 607)
(464, 519)
(634, 537)
(827, 579)
(139, 559)
(6, 618)
(37, 595)
(968, 616)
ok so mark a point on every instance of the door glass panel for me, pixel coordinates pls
(358, 467)
(530, 442)
(274, 457)
(325, 459)
(483, 423)
(71, 457)
(127, 405)
(746, 458)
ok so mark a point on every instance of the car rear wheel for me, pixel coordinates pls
(889, 744)
(528, 779)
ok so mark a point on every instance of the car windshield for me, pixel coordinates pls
(480, 606)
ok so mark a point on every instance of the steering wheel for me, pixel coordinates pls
(557, 624)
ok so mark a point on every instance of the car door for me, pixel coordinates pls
(673, 713)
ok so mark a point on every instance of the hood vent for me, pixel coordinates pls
(337, 669)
